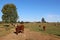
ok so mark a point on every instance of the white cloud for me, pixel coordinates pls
(52, 17)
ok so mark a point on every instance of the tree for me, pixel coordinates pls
(43, 20)
(9, 13)
(21, 22)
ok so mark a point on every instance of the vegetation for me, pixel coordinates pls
(21, 22)
(5, 29)
(9, 13)
(43, 20)
(51, 28)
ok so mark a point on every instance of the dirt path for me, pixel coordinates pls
(28, 35)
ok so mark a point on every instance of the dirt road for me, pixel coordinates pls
(28, 35)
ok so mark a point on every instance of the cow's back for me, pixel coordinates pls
(21, 27)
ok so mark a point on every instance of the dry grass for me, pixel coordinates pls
(4, 30)
(51, 28)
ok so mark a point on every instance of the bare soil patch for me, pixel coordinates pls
(28, 35)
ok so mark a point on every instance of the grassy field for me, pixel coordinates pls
(4, 30)
(51, 28)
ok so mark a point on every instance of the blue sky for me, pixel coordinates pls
(34, 10)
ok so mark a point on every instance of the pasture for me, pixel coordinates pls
(51, 28)
(5, 30)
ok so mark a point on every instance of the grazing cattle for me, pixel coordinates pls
(44, 28)
(20, 28)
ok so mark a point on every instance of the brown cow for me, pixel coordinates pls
(20, 28)
(39, 25)
(44, 28)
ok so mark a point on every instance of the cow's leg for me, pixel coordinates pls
(23, 30)
(44, 28)
(17, 31)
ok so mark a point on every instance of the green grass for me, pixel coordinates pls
(53, 30)
(50, 28)
(32, 26)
